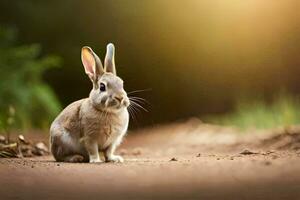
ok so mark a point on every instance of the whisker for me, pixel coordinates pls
(133, 116)
(139, 99)
(136, 91)
(135, 109)
(130, 112)
(134, 97)
(135, 103)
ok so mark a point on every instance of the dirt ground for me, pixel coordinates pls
(179, 161)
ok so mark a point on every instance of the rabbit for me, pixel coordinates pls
(97, 123)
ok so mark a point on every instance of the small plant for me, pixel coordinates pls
(21, 74)
(283, 111)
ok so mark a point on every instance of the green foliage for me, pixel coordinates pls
(283, 111)
(22, 86)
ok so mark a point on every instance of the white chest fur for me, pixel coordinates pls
(114, 129)
(106, 128)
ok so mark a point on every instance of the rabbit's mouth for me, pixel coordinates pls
(117, 104)
(111, 103)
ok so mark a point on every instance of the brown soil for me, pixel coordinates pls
(179, 161)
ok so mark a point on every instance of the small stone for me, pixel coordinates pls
(199, 155)
(247, 152)
(32, 166)
(173, 159)
(58, 165)
(268, 152)
(42, 147)
(21, 138)
(218, 158)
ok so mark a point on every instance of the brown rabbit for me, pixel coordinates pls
(98, 122)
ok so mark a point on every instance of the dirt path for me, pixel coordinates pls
(206, 164)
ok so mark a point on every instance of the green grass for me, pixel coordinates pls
(283, 111)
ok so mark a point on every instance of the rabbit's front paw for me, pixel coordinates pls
(95, 159)
(115, 158)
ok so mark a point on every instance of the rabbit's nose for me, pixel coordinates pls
(120, 98)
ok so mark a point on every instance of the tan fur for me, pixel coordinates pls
(92, 124)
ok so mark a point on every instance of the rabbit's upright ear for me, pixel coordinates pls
(109, 63)
(92, 64)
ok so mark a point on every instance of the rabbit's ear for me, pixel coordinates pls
(92, 64)
(109, 62)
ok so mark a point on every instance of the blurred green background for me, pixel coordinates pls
(223, 61)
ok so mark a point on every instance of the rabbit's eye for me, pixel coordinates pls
(102, 87)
